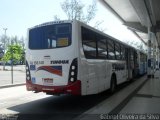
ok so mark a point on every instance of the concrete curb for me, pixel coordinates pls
(14, 85)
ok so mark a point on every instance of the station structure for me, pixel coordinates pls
(142, 17)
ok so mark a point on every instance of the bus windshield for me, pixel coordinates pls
(50, 37)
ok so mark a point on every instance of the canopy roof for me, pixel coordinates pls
(138, 15)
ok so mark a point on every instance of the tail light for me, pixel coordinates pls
(73, 71)
(28, 75)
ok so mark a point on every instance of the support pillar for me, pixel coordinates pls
(149, 60)
(154, 53)
(157, 57)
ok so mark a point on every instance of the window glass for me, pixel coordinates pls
(122, 52)
(51, 36)
(111, 53)
(89, 43)
(97, 46)
(102, 48)
(62, 29)
(132, 54)
(117, 51)
(53, 43)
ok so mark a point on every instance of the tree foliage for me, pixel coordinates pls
(12, 45)
(14, 53)
(74, 9)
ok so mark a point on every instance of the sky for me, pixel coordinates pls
(19, 15)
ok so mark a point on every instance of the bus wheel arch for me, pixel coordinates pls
(113, 83)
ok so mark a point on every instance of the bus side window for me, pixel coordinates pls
(117, 51)
(89, 50)
(102, 49)
(89, 43)
(111, 52)
(122, 52)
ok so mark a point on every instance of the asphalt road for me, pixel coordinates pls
(39, 106)
(26, 105)
(19, 75)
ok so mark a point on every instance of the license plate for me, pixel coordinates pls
(48, 80)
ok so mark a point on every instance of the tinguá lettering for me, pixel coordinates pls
(60, 62)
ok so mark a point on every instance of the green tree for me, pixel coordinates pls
(14, 53)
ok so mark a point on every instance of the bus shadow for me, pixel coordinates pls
(60, 107)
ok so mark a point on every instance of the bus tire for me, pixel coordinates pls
(113, 84)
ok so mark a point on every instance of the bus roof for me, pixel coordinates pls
(51, 23)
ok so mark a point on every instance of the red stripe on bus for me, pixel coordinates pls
(74, 88)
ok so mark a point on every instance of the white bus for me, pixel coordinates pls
(70, 57)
